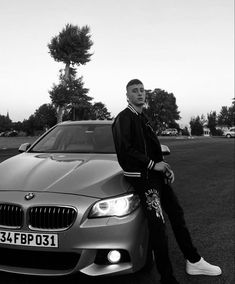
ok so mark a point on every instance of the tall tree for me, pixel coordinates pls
(224, 116)
(232, 113)
(196, 126)
(212, 122)
(71, 47)
(5, 123)
(161, 108)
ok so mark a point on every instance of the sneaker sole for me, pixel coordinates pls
(205, 272)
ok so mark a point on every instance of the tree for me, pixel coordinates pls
(224, 116)
(99, 111)
(71, 47)
(45, 117)
(212, 122)
(185, 131)
(196, 126)
(18, 126)
(71, 97)
(5, 123)
(161, 109)
(29, 125)
(80, 108)
(232, 114)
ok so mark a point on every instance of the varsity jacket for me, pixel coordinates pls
(137, 146)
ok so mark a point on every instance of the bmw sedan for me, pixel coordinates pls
(66, 207)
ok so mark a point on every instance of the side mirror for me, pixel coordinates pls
(24, 147)
(165, 150)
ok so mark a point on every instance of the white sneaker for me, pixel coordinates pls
(202, 267)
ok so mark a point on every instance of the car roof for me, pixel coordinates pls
(79, 122)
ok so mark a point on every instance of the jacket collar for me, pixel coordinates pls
(131, 108)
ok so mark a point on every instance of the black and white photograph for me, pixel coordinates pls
(117, 142)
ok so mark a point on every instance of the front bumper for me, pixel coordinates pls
(79, 244)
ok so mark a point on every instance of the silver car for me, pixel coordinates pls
(230, 133)
(169, 132)
(65, 206)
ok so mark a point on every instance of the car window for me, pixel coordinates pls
(83, 138)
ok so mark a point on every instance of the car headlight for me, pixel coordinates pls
(118, 206)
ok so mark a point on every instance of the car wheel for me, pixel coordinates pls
(228, 136)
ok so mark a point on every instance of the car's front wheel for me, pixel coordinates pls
(228, 135)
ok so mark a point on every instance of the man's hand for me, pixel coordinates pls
(166, 169)
(162, 167)
(170, 176)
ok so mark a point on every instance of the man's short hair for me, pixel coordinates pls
(133, 82)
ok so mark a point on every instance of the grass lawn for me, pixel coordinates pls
(15, 142)
(204, 170)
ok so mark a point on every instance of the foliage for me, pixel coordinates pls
(45, 116)
(212, 122)
(227, 115)
(65, 94)
(185, 131)
(161, 109)
(84, 110)
(42, 119)
(71, 47)
(99, 111)
(5, 123)
(80, 109)
(29, 125)
(18, 126)
(196, 125)
(218, 132)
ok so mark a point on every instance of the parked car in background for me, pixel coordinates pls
(230, 133)
(65, 206)
(169, 132)
(10, 133)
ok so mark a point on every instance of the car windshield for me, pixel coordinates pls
(77, 138)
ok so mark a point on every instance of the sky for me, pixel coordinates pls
(185, 47)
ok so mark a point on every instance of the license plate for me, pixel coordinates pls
(28, 239)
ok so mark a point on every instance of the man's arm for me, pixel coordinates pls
(123, 143)
(124, 146)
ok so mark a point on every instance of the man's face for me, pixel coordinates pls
(136, 94)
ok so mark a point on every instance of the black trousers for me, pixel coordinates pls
(155, 195)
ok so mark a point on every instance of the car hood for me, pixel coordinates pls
(83, 174)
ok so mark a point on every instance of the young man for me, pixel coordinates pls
(140, 156)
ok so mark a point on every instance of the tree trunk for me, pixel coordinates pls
(60, 109)
(60, 112)
(66, 72)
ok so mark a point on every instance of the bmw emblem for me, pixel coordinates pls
(29, 196)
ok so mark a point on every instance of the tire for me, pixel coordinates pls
(228, 136)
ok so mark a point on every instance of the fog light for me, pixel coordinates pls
(114, 256)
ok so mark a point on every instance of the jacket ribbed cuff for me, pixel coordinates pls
(151, 165)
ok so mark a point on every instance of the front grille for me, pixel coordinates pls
(51, 217)
(36, 259)
(11, 215)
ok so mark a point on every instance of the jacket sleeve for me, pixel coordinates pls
(124, 146)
